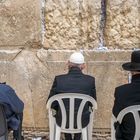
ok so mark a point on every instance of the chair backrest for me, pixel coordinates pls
(72, 97)
(135, 111)
(3, 124)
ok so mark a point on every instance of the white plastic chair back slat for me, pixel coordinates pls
(51, 124)
(135, 111)
(89, 130)
(63, 110)
(71, 114)
(55, 134)
(137, 124)
(79, 114)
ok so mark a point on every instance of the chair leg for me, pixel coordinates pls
(57, 133)
(89, 131)
(112, 128)
(84, 134)
(52, 132)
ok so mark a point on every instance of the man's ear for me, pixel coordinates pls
(83, 66)
(68, 62)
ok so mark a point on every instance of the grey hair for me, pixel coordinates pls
(70, 64)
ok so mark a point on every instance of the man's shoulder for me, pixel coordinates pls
(124, 86)
(122, 90)
(61, 75)
(89, 76)
(86, 76)
(5, 86)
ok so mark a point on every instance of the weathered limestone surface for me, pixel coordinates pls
(123, 24)
(72, 24)
(75, 24)
(28, 76)
(20, 23)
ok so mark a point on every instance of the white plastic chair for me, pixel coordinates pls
(55, 130)
(131, 109)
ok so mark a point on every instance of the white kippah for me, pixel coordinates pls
(77, 58)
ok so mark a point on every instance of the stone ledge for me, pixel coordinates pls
(9, 55)
(90, 55)
(63, 55)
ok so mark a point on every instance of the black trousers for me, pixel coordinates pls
(17, 134)
(76, 136)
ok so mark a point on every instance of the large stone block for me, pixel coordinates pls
(108, 75)
(123, 24)
(36, 75)
(26, 74)
(18, 80)
(72, 24)
(20, 23)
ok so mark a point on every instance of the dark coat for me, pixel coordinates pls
(73, 82)
(126, 95)
(12, 105)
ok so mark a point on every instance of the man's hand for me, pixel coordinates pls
(53, 112)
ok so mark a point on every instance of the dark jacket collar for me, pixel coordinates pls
(75, 70)
(136, 78)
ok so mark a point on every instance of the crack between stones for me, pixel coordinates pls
(102, 26)
(17, 55)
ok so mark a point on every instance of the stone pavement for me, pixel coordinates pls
(32, 134)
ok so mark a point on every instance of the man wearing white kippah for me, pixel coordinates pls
(74, 82)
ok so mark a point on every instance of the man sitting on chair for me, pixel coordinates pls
(125, 96)
(13, 107)
(74, 82)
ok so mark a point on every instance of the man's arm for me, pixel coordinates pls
(93, 90)
(52, 93)
(16, 104)
(116, 107)
(53, 89)
(116, 125)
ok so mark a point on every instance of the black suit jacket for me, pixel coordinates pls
(73, 82)
(126, 95)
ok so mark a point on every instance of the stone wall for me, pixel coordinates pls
(20, 24)
(123, 24)
(30, 58)
(72, 24)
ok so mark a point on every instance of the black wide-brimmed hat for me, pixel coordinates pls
(134, 65)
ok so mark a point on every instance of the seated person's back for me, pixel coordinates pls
(13, 106)
(128, 95)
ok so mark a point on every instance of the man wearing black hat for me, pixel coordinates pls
(127, 95)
